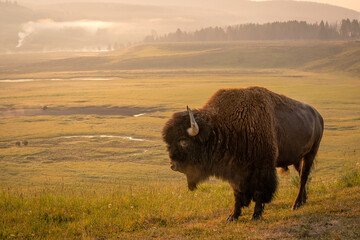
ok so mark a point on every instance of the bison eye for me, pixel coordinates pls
(184, 143)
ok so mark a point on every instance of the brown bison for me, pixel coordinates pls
(241, 136)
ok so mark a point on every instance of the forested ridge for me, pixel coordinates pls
(290, 30)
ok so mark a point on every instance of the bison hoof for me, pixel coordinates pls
(256, 217)
(297, 205)
(231, 218)
(191, 186)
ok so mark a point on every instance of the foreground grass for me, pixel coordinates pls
(158, 210)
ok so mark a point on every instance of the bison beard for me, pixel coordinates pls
(241, 136)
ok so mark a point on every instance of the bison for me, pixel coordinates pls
(241, 136)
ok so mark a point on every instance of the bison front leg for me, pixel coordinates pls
(259, 206)
(265, 190)
(240, 201)
(237, 209)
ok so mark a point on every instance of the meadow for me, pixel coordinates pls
(95, 175)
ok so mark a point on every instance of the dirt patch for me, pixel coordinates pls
(96, 110)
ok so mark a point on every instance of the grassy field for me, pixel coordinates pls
(97, 176)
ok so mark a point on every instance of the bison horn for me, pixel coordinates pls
(194, 129)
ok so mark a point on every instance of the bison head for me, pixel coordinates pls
(186, 135)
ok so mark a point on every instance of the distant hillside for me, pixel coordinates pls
(310, 56)
(104, 11)
(223, 12)
(269, 11)
(347, 60)
(11, 13)
(11, 17)
(245, 11)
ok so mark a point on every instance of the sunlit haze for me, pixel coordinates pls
(97, 26)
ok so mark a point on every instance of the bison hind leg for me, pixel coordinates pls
(304, 168)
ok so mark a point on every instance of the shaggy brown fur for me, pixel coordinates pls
(244, 134)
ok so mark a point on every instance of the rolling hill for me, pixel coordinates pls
(308, 56)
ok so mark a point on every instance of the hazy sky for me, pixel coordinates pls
(352, 4)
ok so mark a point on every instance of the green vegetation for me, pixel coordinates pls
(81, 177)
(350, 179)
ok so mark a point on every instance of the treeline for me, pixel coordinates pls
(290, 30)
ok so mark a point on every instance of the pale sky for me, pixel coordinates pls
(352, 4)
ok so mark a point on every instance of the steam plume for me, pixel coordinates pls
(49, 24)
